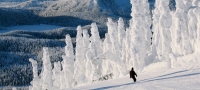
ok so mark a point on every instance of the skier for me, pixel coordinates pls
(133, 74)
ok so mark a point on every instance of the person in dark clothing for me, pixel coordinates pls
(133, 74)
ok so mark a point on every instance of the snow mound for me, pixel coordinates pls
(157, 66)
(192, 60)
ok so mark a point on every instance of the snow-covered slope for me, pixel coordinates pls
(184, 78)
(165, 78)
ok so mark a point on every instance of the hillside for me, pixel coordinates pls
(62, 12)
(182, 78)
(153, 78)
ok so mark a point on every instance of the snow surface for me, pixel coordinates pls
(154, 77)
(41, 27)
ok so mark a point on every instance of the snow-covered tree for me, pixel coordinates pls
(113, 34)
(86, 42)
(121, 32)
(56, 74)
(46, 77)
(107, 47)
(140, 33)
(126, 52)
(192, 25)
(180, 40)
(162, 21)
(155, 29)
(107, 44)
(186, 45)
(95, 38)
(36, 81)
(79, 65)
(197, 13)
(89, 73)
(121, 39)
(68, 63)
(96, 49)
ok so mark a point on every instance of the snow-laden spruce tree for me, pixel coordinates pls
(113, 34)
(184, 31)
(121, 32)
(107, 44)
(79, 65)
(96, 49)
(113, 52)
(95, 38)
(89, 57)
(36, 80)
(155, 29)
(86, 42)
(192, 25)
(56, 74)
(162, 21)
(107, 47)
(126, 55)
(46, 74)
(90, 63)
(179, 31)
(45, 81)
(186, 46)
(140, 33)
(197, 13)
(68, 64)
(121, 40)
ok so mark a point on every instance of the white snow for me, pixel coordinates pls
(155, 77)
(68, 65)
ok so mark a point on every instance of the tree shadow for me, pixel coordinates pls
(166, 75)
(164, 78)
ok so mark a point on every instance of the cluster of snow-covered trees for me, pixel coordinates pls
(176, 34)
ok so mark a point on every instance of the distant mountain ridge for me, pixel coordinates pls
(78, 12)
(90, 10)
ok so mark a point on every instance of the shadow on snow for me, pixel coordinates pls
(114, 86)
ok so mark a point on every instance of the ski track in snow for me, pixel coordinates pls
(167, 79)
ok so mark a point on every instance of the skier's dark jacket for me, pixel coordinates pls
(132, 73)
